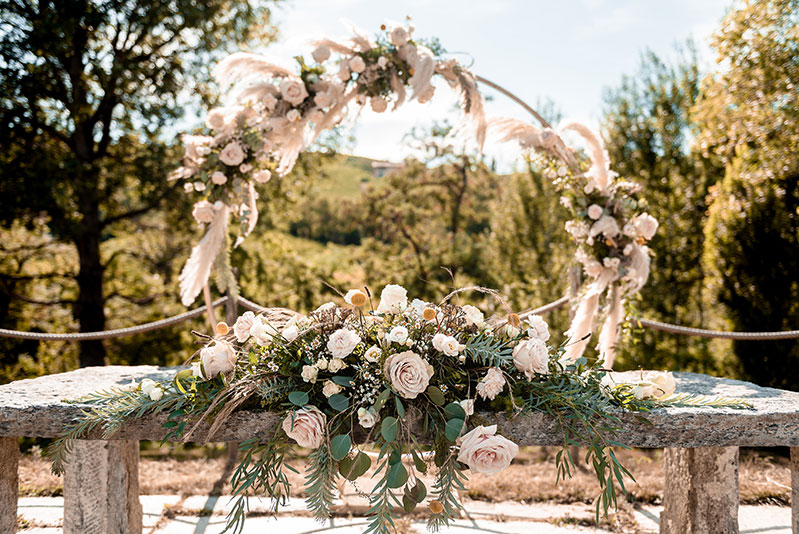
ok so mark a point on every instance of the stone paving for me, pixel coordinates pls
(44, 515)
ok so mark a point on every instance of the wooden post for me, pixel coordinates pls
(101, 488)
(9, 484)
(701, 494)
(795, 490)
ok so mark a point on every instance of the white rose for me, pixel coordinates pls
(531, 357)
(447, 344)
(147, 386)
(293, 91)
(321, 54)
(269, 102)
(242, 326)
(203, 212)
(643, 390)
(372, 354)
(486, 452)
(232, 154)
(197, 369)
(342, 342)
(408, 373)
(473, 316)
(322, 363)
(606, 225)
(309, 373)
(218, 178)
(218, 358)
(419, 305)
(324, 99)
(539, 329)
(646, 225)
(216, 119)
(336, 365)
(262, 331)
(398, 334)
(344, 73)
(595, 211)
(367, 417)
(382, 62)
(379, 104)
(492, 384)
(244, 168)
(188, 187)
(290, 333)
(629, 230)
(398, 36)
(262, 176)
(293, 115)
(156, 394)
(357, 64)
(393, 299)
(330, 388)
(468, 406)
(306, 427)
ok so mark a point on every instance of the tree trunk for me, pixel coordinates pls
(89, 309)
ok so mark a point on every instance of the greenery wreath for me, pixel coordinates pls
(396, 375)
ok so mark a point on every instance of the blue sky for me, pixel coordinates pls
(568, 51)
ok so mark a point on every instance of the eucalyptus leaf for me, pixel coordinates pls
(418, 491)
(454, 410)
(453, 428)
(389, 428)
(340, 446)
(345, 381)
(400, 407)
(397, 475)
(298, 398)
(408, 504)
(436, 395)
(352, 467)
(381, 399)
(338, 402)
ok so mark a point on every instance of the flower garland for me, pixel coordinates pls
(609, 226)
(276, 114)
(400, 375)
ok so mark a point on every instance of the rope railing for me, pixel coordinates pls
(257, 308)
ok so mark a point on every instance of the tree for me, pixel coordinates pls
(648, 130)
(88, 90)
(749, 114)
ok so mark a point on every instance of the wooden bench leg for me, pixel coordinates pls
(701, 492)
(9, 484)
(795, 490)
(101, 488)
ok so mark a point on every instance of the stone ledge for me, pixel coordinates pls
(35, 408)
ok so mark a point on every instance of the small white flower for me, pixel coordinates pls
(330, 388)
(357, 64)
(199, 186)
(398, 334)
(321, 54)
(628, 249)
(367, 417)
(309, 373)
(595, 211)
(197, 369)
(293, 115)
(447, 344)
(646, 225)
(262, 176)
(156, 394)
(336, 365)
(611, 263)
(563, 171)
(147, 386)
(188, 187)
(468, 406)
(372, 354)
(242, 326)
(218, 177)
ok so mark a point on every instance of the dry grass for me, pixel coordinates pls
(765, 479)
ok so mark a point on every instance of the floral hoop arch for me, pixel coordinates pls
(276, 114)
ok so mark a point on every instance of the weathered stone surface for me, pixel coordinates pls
(101, 488)
(795, 490)
(701, 491)
(9, 484)
(35, 408)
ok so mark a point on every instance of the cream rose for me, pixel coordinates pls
(309, 373)
(336, 365)
(398, 334)
(262, 176)
(232, 154)
(263, 332)
(408, 373)
(321, 53)
(218, 358)
(330, 388)
(147, 385)
(531, 357)
(269, 101)
(447, 344)
(156, 394)
(646, 226)
(306, 427)
(219, 177)
(606, 225)
(342, 342)
(203, 212)
(595, 211)
(539, 329)
(398, 36)
(367, 417)
(468, 406)
(473, 316)
(357, 64)
(393, 299)
(486, 452)
(492, 384)
(242, 326)
(293, 115)
(216, 119)
(293, 91)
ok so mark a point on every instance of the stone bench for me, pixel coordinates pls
(101, 481)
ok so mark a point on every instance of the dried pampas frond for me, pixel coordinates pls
(581, 327)
(423, 69)
(600, 167)
(509, 130)
(334, 46)
(399, 89)
(244, 65)
(198, 267)
(255, 92)
(640, 261)
(610, 328)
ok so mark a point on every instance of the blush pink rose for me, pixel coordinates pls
(232, 154)
(408, 373)
(306, 427)
(486, 452)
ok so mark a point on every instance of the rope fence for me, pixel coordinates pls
(252, 306)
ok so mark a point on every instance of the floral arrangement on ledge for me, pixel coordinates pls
(277, 113)
(397, 376)
(609, 226)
